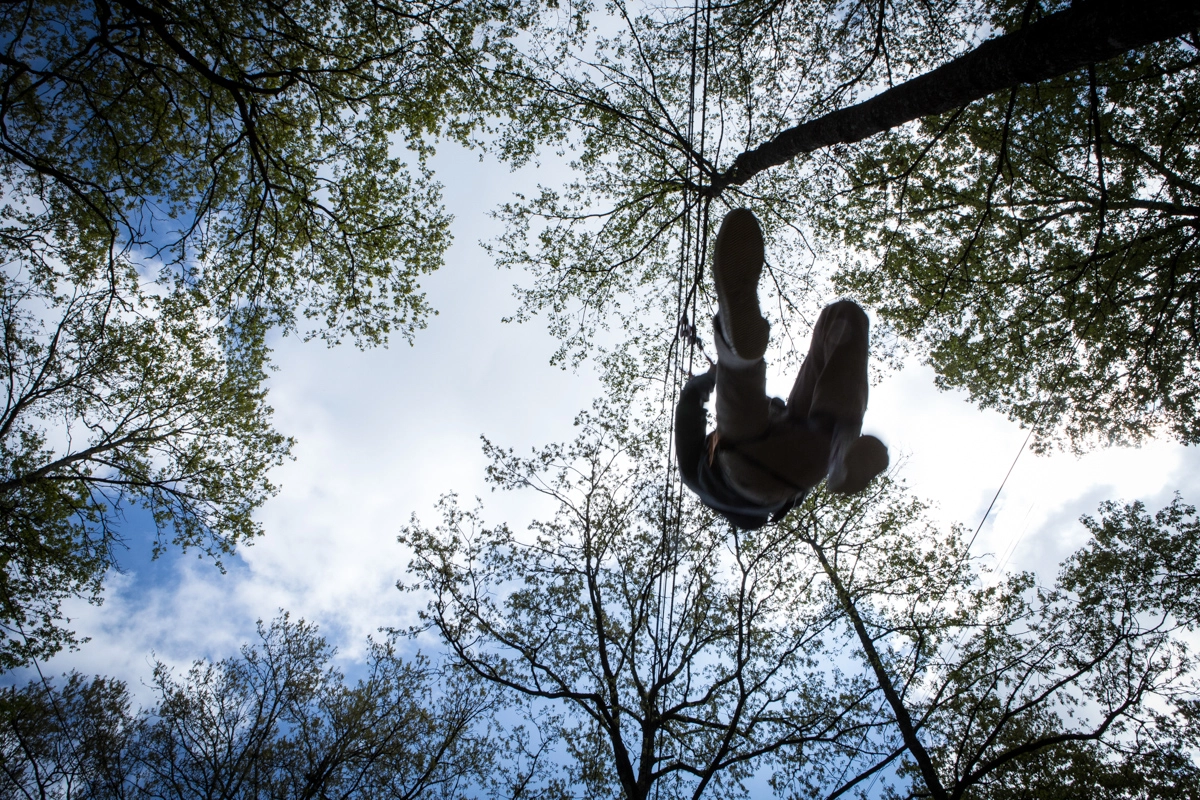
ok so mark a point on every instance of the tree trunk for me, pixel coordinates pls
(1089, 32)
(899, 712)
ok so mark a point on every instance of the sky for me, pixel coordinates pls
(381, 434)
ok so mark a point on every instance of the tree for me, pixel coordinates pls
(181, 179)
(1087, 338)
(1076, 37)
(246, 153)
(994, 688)
(1040, 245)
(66, 743)
(647, 121)
(277, 721)
(681, 662)
(853, 644)
(108, 407)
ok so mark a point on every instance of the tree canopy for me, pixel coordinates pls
(278, 720)
(1030, 236)
(184, 180)
(678, 661)
(268, 157)
(1040, 246)
(181, 180)
(108, 410)
(899, 664)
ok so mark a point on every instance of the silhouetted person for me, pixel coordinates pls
(765, 455)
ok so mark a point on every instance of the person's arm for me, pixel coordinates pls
(691, 424)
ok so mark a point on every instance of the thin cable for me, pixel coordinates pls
(1001, 487)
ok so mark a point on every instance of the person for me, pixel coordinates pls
(766, 454)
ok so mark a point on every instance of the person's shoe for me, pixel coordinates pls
(852, 466)
(737, 265)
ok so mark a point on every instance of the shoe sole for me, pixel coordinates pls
(864, 459)
(738, 256)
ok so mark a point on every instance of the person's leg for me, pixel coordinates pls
(738, 258)
(767, 458)
(741, 404)
(739, 330)
(832, 383)
(831, 392)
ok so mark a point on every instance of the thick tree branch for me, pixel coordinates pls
(1090, 31)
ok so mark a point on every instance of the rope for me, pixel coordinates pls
(681, 354)
(693, 244)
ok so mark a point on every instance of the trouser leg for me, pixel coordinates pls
(831, 388)
(831, 392)
(765, 456)
(742, 406)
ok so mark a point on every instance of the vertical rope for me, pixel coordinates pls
(680, 360)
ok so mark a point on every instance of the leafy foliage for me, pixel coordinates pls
(111, 404)
(1005, 684)
(1041, 245)
(277, 721)
(180, 180)
(683, 660)
(851, 645)
(246, 152)
(1036, 245)
(644, 122)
